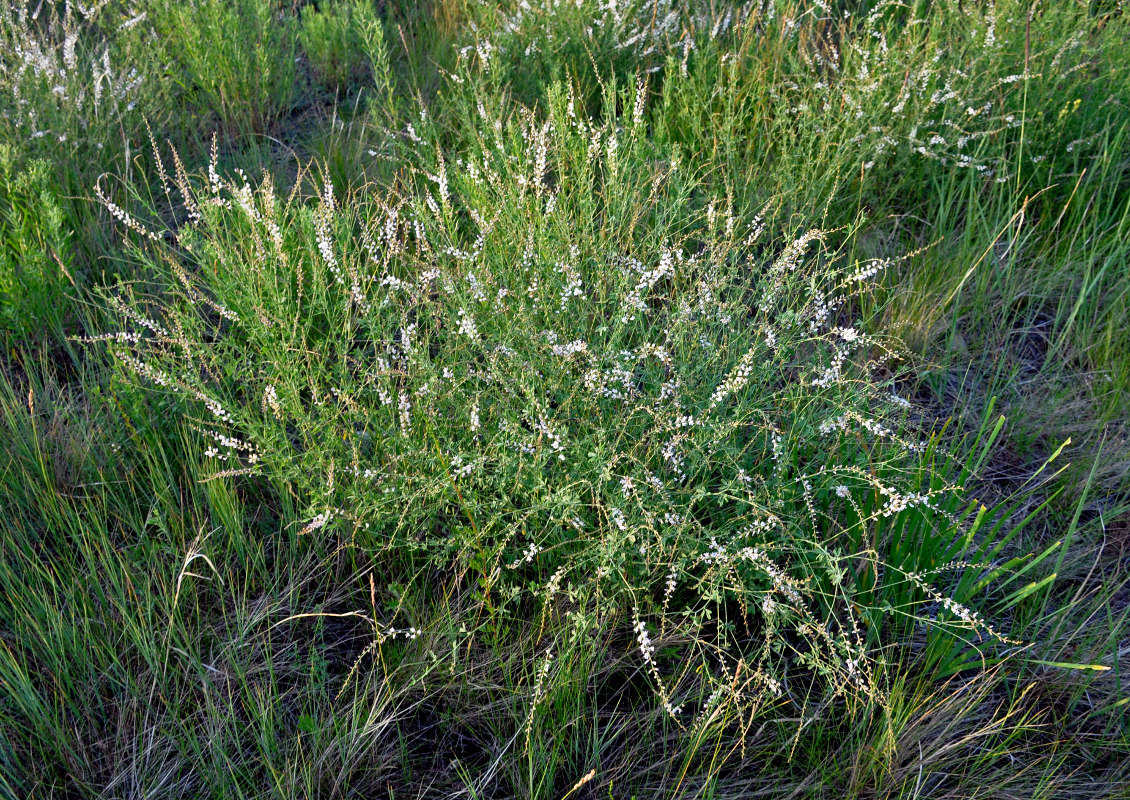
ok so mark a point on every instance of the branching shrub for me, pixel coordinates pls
(331, 36)
(239, 56)
(33, 248)
(557, 369)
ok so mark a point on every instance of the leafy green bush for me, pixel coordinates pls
(332, 39)
(239, 56)
(560, 369)
(34, 249)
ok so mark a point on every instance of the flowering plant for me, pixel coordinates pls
(559, 362)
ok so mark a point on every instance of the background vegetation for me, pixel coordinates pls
(554, 399)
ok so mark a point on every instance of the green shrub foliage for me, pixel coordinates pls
(559, 363)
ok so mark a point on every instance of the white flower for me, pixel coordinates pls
(646, 646)
(467, 325)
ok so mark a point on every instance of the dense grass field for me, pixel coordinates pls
(564, 399)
